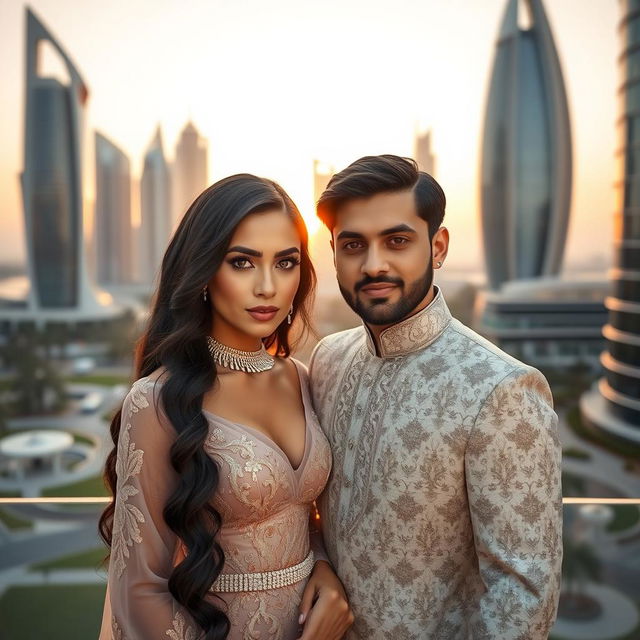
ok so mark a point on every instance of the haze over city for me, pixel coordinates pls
(275, 86)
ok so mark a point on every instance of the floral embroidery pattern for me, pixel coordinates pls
(265, 509)
(116, 632)
(180, 631)
(127, 517)
(443, 498)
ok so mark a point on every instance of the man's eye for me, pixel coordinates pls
(352, 246)
(240, 263)
(397, 241)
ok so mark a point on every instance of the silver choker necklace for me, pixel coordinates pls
(247, 361)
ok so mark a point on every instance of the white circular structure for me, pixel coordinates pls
(23, 448)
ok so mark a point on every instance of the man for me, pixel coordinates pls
(443, 512)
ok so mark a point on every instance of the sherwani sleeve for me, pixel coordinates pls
(512, 465)
(138, 603)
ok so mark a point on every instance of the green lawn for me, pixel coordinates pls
(633, 635)
(77, 438)
(54, 612)
(91, 559)
(91, 487)
(578, 454)
(10, 494)
(627, 451)
(14, 523)
(625, 516)
(104, 380)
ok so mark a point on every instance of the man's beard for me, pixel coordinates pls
(380, 312)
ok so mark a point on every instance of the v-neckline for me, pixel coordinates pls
(265, 438)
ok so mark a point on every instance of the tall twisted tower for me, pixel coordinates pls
(526, 152)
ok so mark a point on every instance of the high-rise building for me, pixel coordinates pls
(528, 309)
(52, 187)
(155, 206)
(113, 232)
(526, 152)
(423, 154)
(614, 404)
(190, 175)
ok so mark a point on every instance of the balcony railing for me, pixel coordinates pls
(53, 576)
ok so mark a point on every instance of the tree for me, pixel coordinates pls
(35, 384)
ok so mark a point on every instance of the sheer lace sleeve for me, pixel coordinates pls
(138, 605)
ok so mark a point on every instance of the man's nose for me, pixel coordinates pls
(375, 262)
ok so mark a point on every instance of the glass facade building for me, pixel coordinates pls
(615, 405)
(526, 152)
(52, 180)
(190, 171)
(113, 239)
(155, 203)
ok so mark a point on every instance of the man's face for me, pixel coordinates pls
(383, 256)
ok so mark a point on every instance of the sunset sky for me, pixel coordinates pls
(273, 85)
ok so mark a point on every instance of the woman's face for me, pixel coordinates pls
(252, 291)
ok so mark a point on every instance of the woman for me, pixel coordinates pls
(218, 455)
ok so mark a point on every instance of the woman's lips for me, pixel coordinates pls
(263, 314)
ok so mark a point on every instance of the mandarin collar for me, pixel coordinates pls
(413, 333)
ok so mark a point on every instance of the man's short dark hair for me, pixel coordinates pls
(372, 175)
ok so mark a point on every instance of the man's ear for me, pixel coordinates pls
(440, 245)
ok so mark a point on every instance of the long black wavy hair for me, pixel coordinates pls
(176, 340)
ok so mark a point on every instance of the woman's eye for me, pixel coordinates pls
(287, 263)
(240, 263)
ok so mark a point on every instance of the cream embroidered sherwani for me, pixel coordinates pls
(443, 511)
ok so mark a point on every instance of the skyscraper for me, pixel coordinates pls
(190, 175)
(614, 405)
(155, 205)
(52, 181)
(527, 309)
(422, 153)
(112, 214)
(526, 152)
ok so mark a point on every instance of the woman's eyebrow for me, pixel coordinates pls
(287, 252)
(258, 254)
(249, 252)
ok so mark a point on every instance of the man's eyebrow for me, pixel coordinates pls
(348, 234)
(258, 254)
(400, 228)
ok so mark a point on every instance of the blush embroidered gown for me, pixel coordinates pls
(264, 503)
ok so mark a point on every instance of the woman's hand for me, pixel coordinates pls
(324, 610)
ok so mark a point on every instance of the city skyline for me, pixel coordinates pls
(272, 137)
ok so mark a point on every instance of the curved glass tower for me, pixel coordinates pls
(52, 181)
(526, 153)
(615, 405)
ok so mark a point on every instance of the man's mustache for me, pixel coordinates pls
(386, 279)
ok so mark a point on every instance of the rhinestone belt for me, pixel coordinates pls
(229, 582)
